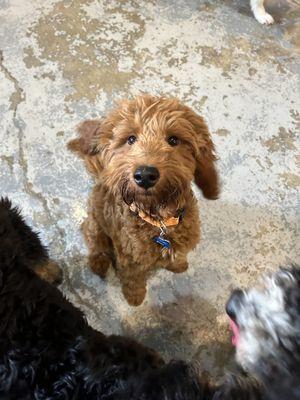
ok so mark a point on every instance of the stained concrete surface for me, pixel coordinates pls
(64, 61)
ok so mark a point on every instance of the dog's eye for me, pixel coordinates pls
(173, 140)
(131, 139)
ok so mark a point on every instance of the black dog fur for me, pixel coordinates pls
(47, 349)
(49, 352)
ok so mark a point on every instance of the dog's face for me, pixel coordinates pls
(266, 325)
(150, 149)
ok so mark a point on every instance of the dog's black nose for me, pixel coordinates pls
(234, 303)
(145, 176)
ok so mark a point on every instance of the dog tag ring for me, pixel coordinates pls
(161, 240)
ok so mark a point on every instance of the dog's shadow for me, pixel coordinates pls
(187, 329)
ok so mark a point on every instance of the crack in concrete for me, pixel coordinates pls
(28, 186)
(15, 99)
(10, 162)
(18, 95)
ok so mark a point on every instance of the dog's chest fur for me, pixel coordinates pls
(131, 235)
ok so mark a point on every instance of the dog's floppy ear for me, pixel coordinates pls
(87, 144)
(206, 175)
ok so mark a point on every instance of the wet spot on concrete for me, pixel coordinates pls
(283, 141)
(290, 179)
(223, 132)
(202, 102)
(88, 50)
(10, 162)
(252, 71)
(30, 59)
(49, 75)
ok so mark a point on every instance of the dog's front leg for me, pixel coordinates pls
(178, 265)
(134, 284)
(99, 245)
(260, 13)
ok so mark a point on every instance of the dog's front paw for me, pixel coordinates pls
(99, 264)
(178, 268)
(134, 296)
(264, 18)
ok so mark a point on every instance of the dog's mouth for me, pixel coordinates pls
(144, 192)
(150, 200)
(132, 195)
(235, 332)
(233, 308)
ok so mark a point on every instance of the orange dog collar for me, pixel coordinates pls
(173, 221)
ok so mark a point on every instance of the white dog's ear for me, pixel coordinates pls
(87, 144)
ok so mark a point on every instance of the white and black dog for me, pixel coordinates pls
(260, 13)
(266, 324)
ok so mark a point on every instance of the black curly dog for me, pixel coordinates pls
(48, 351)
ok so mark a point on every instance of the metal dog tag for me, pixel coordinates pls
(163, 242)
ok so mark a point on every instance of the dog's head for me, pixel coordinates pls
(149, 149)
(266, 325)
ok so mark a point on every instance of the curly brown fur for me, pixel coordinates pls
(48, 351)
(111, 229)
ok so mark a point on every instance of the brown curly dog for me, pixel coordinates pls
(142, 213)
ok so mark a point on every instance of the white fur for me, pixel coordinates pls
(262, 320)
(260, 13)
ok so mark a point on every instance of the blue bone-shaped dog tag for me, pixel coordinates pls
(163, 242)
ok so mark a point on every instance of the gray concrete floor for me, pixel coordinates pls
(64, 61)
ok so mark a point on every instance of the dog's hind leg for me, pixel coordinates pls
(99, 245)
(260, 13)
